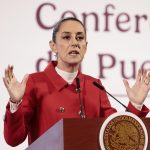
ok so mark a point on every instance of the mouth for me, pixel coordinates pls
(74, 53)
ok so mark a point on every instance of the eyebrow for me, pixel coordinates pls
(65, 32)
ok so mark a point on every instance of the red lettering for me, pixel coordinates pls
(122, 19)
(40, 61)
(38, 16)
(103, 67)
(133, 70)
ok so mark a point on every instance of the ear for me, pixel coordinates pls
(86, 46)
(52, 45)
(86, 43)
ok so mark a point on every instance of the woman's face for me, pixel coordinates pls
(70, 45)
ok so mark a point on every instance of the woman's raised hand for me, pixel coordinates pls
(15, 88)
(139, 91)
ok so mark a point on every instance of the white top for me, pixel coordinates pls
(67, 76)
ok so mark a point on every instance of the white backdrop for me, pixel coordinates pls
(118, 41)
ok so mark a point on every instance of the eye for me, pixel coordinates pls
(66, 37)
(80, 38)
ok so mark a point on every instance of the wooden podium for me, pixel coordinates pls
(75, 134)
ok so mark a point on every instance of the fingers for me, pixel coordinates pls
(6, 79)
(139, 75)
(9, 70)
(144, 73)
(146, 77)
(5, 82)
(8, 75)
(126, 84)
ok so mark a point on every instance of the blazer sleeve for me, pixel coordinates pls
(144, 111)
(16, 125)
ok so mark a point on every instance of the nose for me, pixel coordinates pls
(74, 42)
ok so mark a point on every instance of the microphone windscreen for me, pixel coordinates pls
(98, 85)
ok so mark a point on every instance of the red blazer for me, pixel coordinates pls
(48, 98)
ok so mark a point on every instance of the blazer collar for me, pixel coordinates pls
(58, 82)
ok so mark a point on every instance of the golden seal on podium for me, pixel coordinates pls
(123, 131)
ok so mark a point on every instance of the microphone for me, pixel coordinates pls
(103, 89)
(82, 110)
(78, 85)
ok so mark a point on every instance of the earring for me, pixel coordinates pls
(56, 55)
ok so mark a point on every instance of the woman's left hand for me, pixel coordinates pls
(139, 91)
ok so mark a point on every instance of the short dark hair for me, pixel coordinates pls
(59, 23)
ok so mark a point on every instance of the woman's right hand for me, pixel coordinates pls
(14, 87)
